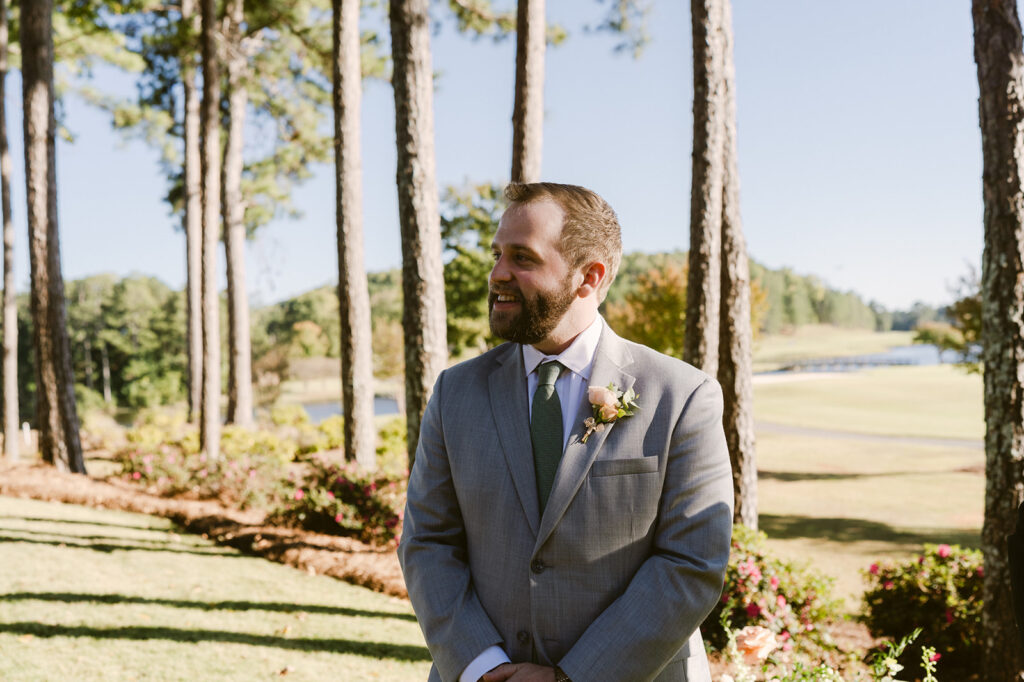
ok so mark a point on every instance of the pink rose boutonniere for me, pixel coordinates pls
(609, 405)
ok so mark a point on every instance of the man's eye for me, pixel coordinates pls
(495, 256)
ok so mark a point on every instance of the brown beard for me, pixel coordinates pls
(537, 316)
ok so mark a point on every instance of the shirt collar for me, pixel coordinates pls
(578, 357)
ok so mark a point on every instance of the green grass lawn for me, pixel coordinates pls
(932, 401)
(90, 594)
(842, 503)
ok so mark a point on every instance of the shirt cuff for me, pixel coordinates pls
(492, 657)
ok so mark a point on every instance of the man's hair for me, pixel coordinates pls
(590, 230)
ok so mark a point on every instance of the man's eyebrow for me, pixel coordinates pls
(517, 248)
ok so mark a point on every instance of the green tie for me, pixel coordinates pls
(546, 430)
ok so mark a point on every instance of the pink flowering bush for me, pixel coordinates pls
(247, 479)
(761, 590)
(343, 499)
(938, 591)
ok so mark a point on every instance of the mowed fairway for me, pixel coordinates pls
(842, 500)
(89, 594)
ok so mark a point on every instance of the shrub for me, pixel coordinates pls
(245, 480)
(938, 591)
(392, 448)
(289, 415)
(343, 499)
(788, 599)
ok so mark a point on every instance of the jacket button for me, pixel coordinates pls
(523, 636)
(537, 566)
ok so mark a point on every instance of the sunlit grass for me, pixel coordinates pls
(938, 401)
(98, 595)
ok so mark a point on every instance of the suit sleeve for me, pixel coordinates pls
(433, 555)
(672, 592)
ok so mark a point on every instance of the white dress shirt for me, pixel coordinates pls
(571, 386)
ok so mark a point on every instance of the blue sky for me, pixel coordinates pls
(859, 150)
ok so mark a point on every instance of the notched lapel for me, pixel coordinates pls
(611, 357)
(507, 387)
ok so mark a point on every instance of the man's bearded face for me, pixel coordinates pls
(537, 315)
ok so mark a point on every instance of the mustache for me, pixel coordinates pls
(494, 292)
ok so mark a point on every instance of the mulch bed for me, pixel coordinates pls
(343, 558)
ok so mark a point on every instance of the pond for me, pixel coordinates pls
(321, 410)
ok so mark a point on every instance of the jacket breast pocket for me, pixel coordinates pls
(620, 467)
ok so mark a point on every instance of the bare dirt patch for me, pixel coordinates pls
(343, 558)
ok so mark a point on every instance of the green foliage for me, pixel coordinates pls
(963, 333)
(469, 219)
(940, 592)
(788, 599)
(392, 448)
(654, 311)
(342, 499)
(243, 479)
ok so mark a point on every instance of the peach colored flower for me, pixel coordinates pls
(609, 412)
(602, 396)
(755, 643)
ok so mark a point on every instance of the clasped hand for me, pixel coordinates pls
(519, 672)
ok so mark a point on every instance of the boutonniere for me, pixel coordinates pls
(609, 405)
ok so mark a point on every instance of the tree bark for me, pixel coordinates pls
(353, 290)
(704, 281)
(87, 351)
(10, 320)
(193, 219)
(59, 441)
(239, 345)
(209, 424)
(108, 397)
(735, 354)
(528, 110)
(1000, 61)
(423, 313)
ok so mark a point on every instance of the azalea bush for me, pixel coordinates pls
(787, 599)
(938, 591)
(246, 479)
(344, 499)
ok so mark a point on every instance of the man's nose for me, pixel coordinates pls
(500, 273)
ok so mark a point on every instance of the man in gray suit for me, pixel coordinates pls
(541, 544)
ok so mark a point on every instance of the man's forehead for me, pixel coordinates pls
(542, 217)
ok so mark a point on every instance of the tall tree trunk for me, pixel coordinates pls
(193, 218)
(423, 313)
(57, 419)
(10, 321)
(528, 110)
(108, 397)
(735, 359)
(239, 345)
(700, 346)
(209, 424)
(353, 291)
(87, 351)
(1000, 60)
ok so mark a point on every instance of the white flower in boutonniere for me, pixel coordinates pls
(609, 405)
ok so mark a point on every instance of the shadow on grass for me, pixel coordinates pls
(795, 476)
(39, 519)
(379, 650)
(107, 547)
(861, 530)
(162, 539)
(281, 607)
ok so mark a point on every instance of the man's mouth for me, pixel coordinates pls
(504, 299)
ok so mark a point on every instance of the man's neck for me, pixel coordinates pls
(569, 327)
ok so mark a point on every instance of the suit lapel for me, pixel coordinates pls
(507, 386)
(610, 358)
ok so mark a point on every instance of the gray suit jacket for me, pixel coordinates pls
(612, 582)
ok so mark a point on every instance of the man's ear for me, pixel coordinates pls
(593, 277)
